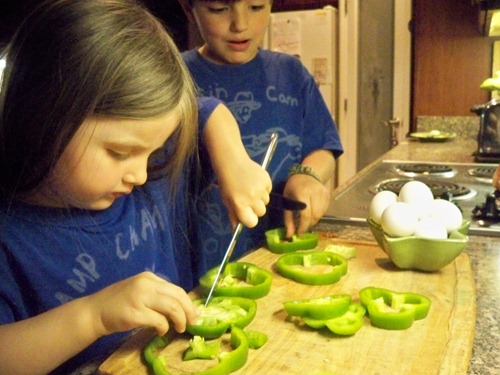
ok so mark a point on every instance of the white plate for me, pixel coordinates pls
(433, 136)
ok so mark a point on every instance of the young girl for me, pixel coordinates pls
(97, 121)
(267, 92)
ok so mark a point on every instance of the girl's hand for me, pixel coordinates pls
(244, 185)
(141, 300)
(245, 192)
(496, 178)
(313, 193)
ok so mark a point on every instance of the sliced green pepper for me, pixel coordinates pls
(220, 314)
(301, 267)
(199, 348)
(256, 339)
(278, 243)
(228, 361)
(257, 281)
(347, 252)
(155, 346)
(393, 310)
(345, 325)
(319, 308)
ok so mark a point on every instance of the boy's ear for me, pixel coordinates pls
(187, 10)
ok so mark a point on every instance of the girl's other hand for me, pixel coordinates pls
(244, 185)
(245, 192)
(141, 300)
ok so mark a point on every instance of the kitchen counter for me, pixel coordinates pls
(484, 252)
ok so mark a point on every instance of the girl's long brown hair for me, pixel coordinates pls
(71, 59)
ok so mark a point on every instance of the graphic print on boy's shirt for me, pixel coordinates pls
(243, 103)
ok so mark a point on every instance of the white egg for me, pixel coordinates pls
(380, 202)
(431, 228)
(419, 195)
(399, 219)
(446, 212)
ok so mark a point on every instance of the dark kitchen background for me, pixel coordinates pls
(169, 11)
(451, 57)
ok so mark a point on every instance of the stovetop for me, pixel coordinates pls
(465, 184)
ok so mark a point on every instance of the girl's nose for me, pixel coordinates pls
(137, 174)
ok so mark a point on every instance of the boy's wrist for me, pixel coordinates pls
(302, 169)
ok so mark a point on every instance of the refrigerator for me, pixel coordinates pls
(292, 32)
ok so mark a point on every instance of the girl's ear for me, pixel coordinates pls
(188, 10)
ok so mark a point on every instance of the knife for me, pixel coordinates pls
(280, 202)
(265, 163)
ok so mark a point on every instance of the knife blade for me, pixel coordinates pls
(227, 255)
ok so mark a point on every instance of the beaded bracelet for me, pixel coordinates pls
(301, 169)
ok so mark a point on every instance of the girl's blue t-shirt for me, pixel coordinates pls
(49, 256)
(273, 93)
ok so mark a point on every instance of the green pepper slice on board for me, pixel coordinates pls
(347, 252)
(228, 361)
(199, 348)
(257, 281)
(345, 325)
(278, 243)
(327, 307)
(153, 347)
(302, 267)
(256, 339)
(220, 314)
(392, 310)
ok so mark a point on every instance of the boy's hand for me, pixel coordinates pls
(141, 300)
(306, 189)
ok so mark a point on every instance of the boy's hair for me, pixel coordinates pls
(71, 59)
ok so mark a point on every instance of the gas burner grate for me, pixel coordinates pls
(440, 189)
(425, 169)
(483, 173)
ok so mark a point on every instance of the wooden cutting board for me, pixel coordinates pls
(439, 344)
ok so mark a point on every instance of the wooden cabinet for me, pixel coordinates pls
(450, 59)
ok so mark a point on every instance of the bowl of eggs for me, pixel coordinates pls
(416, 230)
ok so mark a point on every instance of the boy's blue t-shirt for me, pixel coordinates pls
(49, 256)
(272, 93)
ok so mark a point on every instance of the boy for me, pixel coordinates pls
(267, 92)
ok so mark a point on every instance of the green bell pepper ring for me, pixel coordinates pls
(349, 323)
(392, 310)
(199, 348)
(257, 281)
(228, 361)
(345, 325)
(278, 243)
(220, 314)
(319, 308)
(154, 346)
(303, 267)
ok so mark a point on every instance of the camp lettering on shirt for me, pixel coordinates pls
(49, 256)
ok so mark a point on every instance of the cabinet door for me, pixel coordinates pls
(447, 40)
